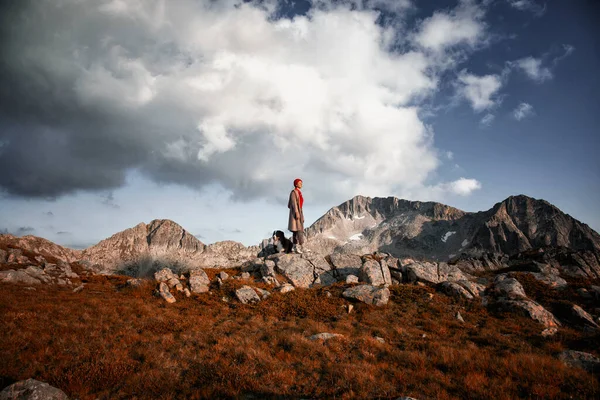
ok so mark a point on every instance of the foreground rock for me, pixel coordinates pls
(32, 390)
(581, 360)
(368, 294)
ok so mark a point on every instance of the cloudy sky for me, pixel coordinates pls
(115, 112)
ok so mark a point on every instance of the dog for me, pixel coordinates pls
(281, 243)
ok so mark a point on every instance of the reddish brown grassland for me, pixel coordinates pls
(111, 341)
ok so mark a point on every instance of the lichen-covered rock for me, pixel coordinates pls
(368, 294)
(199, 281)
(247, 295)
(32, 389)
(375, 273)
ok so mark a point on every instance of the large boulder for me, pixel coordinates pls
(297, 269)
(378, 296)
(345, 264)
(375, 273)
(199, 281)
(32, 390)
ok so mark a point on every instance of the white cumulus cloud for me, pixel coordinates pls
(522, 111)
(533, 69)
(203, 92)
(480, 91)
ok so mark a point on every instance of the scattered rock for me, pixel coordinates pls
(285, 288)
(3, 256)
(325, 336)
(78, 289)
(187, 292)
(223, 276)
(134, 282)
(253, 266)
(247, 295)
(350, 308)
(163, 291)
(352, 279)
(199, 281)
(380, 339)
(262, 293)
(581, 360)
(459, 317)
(549, 332)
(164, 275)
(32, 390)
(368, 294)
(245, 275)
(374, 273)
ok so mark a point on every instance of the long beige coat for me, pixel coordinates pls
(295, 225)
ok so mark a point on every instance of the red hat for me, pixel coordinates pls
(296, 181)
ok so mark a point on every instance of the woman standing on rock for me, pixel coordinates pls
(296, 219)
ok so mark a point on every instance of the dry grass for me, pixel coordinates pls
(114, 342)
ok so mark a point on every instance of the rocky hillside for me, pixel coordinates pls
(39, 246)
(431, 230)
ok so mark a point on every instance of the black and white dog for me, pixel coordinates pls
(281, 243)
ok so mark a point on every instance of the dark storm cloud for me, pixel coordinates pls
(24, 230)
